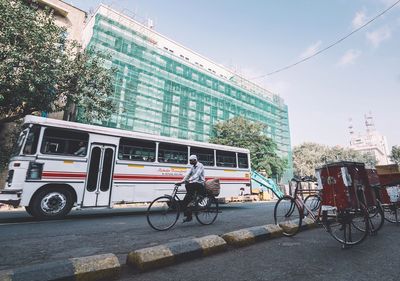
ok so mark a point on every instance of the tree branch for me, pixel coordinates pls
(12, 118)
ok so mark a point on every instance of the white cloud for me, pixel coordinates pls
(349, 57)
(311, 50)
(378, 36)
(359, 19)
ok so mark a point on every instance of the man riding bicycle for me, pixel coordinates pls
(194, 182)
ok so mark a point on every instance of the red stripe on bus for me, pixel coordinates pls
(160, 177)
(67, 175)
(47, 174)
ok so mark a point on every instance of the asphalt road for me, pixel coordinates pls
(24, 240)
(311, 255)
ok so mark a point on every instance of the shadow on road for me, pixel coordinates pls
(23, 217)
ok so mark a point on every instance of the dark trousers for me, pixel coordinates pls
(191, 188)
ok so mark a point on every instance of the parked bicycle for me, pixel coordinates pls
(339, 210)
(164, 211)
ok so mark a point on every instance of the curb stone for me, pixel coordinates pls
(175, 252)
(247, 236)
(308, 223)
(91, 268)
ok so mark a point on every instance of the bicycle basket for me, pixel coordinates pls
(213, 186)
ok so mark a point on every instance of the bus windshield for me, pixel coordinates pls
(32, 140)
(20, 141)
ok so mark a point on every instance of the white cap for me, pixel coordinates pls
(193, 157)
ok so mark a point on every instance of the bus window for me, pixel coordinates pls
(243, 160)
(64, 142)
(226, 159)
(137, 150)
(172, 153)
(204, 155)
(32, 140)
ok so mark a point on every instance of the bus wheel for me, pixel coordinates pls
(51, 203)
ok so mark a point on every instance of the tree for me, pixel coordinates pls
(309, 156)
(41, 71)
(241, 132)
(395, 156)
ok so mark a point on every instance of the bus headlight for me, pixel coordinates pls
(34, 171)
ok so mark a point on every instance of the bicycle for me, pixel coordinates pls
(389, 208)
(164, 211)
(386, 181)
(348, 226)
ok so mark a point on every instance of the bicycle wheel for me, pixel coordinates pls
(348, 227)
(313, 202)
(391, 213)
(376, 217)
(206, 209)
(288, 215)
(163, 213)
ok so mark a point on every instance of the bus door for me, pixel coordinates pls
(99, 176)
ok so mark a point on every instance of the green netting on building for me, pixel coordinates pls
(160, 93)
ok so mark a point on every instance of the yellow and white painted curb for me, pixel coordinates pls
(91, 268)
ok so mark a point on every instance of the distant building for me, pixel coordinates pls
(73, 19)
(372, 142)
(67, 16)
(164, 88)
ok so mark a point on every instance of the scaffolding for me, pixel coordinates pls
(162, 93)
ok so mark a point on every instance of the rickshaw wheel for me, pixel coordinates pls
(376, 217)
(391, 213)
(349, 227)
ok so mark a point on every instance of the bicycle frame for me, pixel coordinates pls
(176, 191)
(302, 206)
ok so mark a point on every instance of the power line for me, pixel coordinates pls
(329, 46)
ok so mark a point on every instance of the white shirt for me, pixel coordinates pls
(195, 174)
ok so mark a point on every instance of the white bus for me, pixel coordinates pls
(58, 165)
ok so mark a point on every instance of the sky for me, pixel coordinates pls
(254, 37)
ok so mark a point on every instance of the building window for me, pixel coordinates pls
(137, 150)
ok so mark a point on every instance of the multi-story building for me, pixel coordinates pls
(372, 142)
(73, 19)
(162, 87)
(68, 16)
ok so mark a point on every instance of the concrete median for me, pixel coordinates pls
(247, 236)
(175, 252)
(91, 268)
(291, 226)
